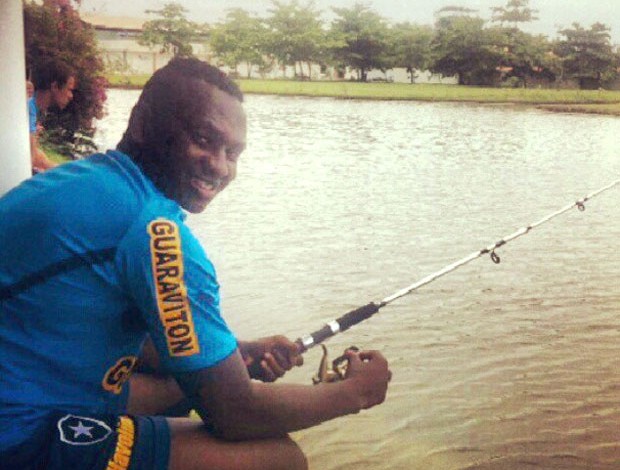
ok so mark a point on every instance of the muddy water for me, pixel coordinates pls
(338, 203)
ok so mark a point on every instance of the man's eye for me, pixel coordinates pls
(202, 140)
(232, 154)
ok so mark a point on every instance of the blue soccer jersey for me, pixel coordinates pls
(94, 257)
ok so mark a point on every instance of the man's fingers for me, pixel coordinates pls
(353, 357)
(267, 374)
(271, 364)
(370, 355)
(271, 357)
(288, 355)
(299, 360)
(282, 358)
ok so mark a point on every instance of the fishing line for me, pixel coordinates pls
(360, 314)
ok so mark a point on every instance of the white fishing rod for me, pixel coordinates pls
(360, 314)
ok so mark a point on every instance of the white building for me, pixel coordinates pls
(400, 75)
(117, 38)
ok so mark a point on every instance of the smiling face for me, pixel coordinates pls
(205, 148)
(187, 131)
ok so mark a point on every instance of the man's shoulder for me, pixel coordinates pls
(32, 114)
(105, 175)
(32, 103)
(99, 191)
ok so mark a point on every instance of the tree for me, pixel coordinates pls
(240, 38)
(587, 55)
(531, 57)
(524, 56)
(54, 29)
(516, 11)
(363, 38)
(454, 10)
(463, 47)
(173, 31)
(412, 47)
(296, 34)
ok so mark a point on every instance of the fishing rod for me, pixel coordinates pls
(360, 314)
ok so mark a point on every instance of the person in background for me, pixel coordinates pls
(54, 82)
(99, 269)
(29, 89)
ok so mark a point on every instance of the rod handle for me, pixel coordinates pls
(334, 327)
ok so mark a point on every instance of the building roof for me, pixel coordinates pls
(113, 23)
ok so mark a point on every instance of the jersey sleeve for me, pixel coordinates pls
(167, 274)
(32, 116)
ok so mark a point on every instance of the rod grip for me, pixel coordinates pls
(342, 323)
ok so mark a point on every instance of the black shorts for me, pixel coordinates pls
(95, 443)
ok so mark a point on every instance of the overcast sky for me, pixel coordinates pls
(553, 14)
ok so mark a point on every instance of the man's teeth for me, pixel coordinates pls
(211, 184)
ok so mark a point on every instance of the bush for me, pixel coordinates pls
(512, 82)
(55, 30)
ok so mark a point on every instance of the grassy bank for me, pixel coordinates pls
(127, 81)
(53, 154)
(591, 101)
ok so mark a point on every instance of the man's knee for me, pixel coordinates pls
(296, 457)
(279, 454)
(192, 446)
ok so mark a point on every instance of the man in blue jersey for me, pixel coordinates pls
(54, 82)
(99, 269)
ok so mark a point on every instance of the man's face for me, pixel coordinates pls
(63, 95)
(204, 155)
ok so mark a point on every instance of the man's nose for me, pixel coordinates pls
(218, 162)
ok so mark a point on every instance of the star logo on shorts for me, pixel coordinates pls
(82, 431)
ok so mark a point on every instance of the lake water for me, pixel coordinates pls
(338, 203)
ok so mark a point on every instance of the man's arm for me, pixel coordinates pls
(153, 394)
(151, 390)
(154, 391)
(235, 407)
(37, 156)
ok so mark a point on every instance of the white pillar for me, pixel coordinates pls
(14, 135)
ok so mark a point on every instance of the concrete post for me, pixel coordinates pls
(14, 136)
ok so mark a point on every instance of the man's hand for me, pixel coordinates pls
(368, 374)
(268, 359)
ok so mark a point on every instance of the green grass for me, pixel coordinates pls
(127, 81)
(53, 155)
(428, 92)
(592, 101)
